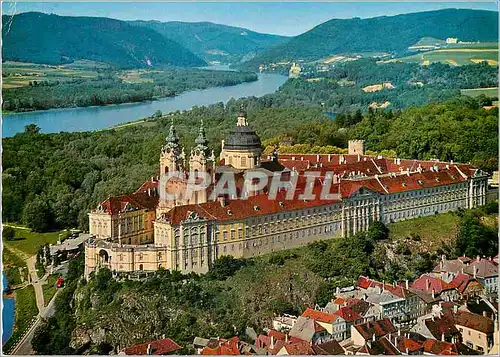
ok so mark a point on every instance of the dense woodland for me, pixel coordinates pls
(109, 88)
(51, 39)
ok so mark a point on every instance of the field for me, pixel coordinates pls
(432, 230)
(454, 56)
(489, 92)
(29, 242)
(19, 74)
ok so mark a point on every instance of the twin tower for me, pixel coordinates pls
(241, 151)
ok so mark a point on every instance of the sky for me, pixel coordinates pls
(283, 18)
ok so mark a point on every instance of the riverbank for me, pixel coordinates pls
(117, 88)
(97, 118)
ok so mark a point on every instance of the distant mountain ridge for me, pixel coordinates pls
(52, 39)
(391, 34)
(215, 42)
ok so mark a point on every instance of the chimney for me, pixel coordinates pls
(148, 351)
(407, 351)
(427, 284)
(442, 337)
(455, 309)
(433, 294)
(272, 342)
(399, 332)
(373, 337)
(474, 271)
(484, 313)
(286, 338)
(407, 284)
(443, 258)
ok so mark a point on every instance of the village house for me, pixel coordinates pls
(476, 330)
(307, 329)
(486, 272)
(335, 325)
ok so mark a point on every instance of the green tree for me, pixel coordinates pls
(8, 232)
(36, 215)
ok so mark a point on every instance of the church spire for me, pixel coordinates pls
(242, 117)
(172, 138)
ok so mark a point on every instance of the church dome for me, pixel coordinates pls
(242, 138)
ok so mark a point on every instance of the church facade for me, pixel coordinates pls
(144, 231)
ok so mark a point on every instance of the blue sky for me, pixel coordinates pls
(280, 18)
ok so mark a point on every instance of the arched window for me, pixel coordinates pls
(166, 169)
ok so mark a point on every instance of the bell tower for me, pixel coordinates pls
(171, 159)
(201, 161)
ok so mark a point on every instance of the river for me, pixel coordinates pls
(7, 314)
(94, 118)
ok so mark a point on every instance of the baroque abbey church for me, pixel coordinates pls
(146, 231)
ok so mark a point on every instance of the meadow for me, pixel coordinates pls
(454, 56)
(475, 92)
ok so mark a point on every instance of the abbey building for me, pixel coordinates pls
(146, 231)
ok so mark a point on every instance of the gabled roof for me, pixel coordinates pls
(379, 347)
(483, 268)
(378, 328)
(444, 325)
(299, 348)
(158, 347)
(331, 347)
(320, 316)
(348, 314)
(305, 329)
(437, 347)
(123, 203)
(429, 283)
(474, 321)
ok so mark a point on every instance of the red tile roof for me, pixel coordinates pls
(378, 328)
(158, 347)
(319, 315)
(428, 283)
(140, 200)
(240, 209)
(474, 321)
(439, 347)
(299, 348)
(347, 314)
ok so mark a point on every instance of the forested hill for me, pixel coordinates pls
(392, 34)
(52, 39)
(214, 42)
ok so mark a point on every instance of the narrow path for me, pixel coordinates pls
(37, 283)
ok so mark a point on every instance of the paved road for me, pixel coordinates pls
(24, 346)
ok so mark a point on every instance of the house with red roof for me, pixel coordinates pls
(333, 323)
(371, 331)
(476, 330)
(309, 330)
(436, 287)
